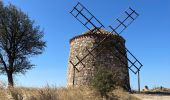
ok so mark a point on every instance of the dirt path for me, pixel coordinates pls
(152, 97)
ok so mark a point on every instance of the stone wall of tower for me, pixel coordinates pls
(105, 59)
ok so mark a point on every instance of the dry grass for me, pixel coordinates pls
(48, 93)
(122, 95)
(52, 93)
(3, 95)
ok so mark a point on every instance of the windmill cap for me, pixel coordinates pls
(97, 32)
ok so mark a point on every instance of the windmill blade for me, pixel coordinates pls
(117, 27)
(122, 22)
(90, 21)
(85, 17)
(134, 64)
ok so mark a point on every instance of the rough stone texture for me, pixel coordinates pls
(106, 58)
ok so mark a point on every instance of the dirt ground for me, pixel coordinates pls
(152, 97)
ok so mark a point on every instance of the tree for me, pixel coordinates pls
(103, 81)
(20, 39)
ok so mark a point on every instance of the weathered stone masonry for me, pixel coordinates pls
(105, 59)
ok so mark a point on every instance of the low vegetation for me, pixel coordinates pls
(53, 93)
(103, 82)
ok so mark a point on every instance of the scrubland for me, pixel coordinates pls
(56, 93)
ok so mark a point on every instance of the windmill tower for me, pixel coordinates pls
(99, 47)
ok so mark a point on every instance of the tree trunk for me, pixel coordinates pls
(10, 79)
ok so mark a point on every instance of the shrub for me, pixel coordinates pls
(103, 81)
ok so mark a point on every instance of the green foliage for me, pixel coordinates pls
(103, 81)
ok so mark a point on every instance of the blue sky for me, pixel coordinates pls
(147, 38)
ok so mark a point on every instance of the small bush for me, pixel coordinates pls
(103, 81)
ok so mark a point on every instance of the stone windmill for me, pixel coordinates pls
(99, 47)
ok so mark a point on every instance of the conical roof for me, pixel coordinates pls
(95, 32)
